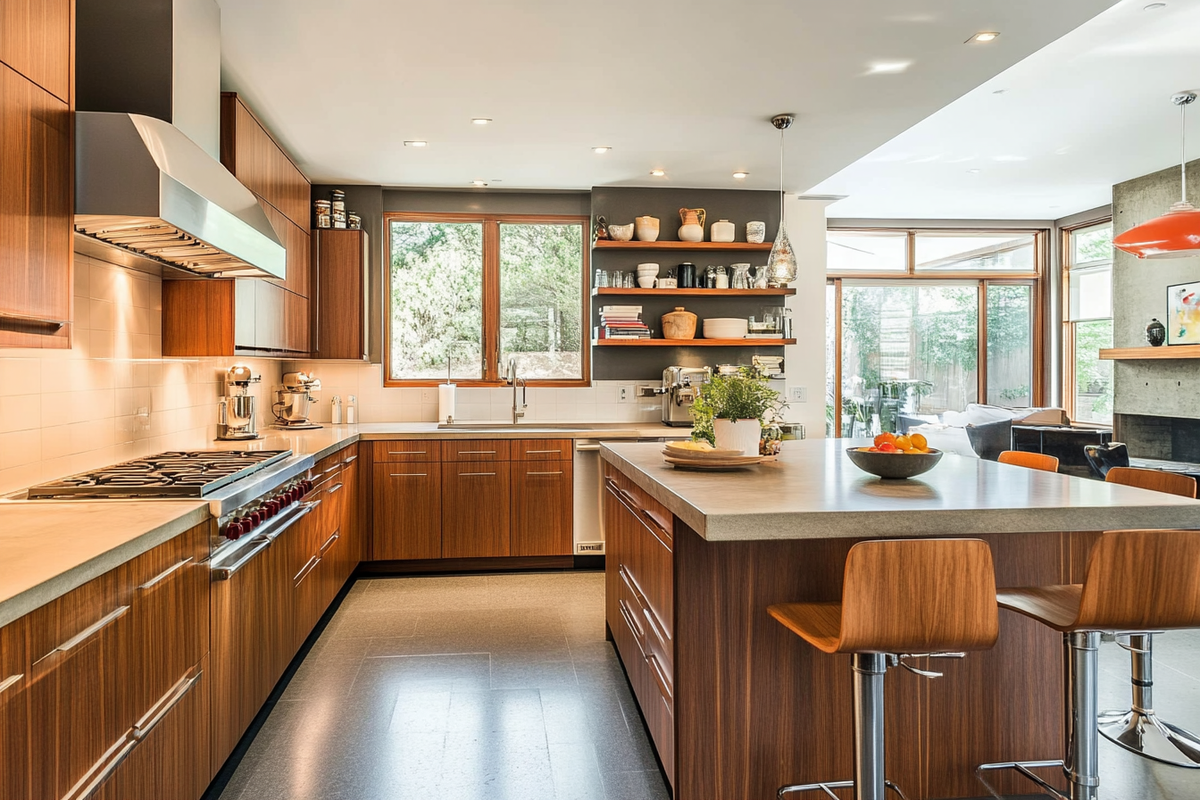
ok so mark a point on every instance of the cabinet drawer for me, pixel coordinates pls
(541, 449)
(408, 450)
(475, 450)
(651, 512)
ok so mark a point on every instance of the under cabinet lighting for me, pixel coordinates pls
(480, 121)
(887, 67)
(741, 175)
(658, 173)
(479, 183)
(983, 37)
(601, 150)
(416, 143)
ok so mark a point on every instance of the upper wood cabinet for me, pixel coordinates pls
(257, 160)
(35, 40)
(35, 213)
(296, 242)
(339, 294)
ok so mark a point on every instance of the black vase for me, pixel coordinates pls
(1156, 333)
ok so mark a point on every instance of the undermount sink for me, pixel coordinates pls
(510, 426)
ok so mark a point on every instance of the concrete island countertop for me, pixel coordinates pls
(814, 492)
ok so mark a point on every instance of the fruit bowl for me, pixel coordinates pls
(894, 465)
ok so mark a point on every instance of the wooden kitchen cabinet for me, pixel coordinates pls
(254, 157)
(339, 294)
(14, 712)
(35, 210)
(35, 40)
(407, 509)
(295, 241)
(542, 498)
(230, 317)
(476, 503)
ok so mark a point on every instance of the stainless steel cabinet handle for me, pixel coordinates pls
(477, 452)
(10, 681)
(225, 573)
(349, 460)
(532, 452)
(87, 632)
(26, 320)
(162, 576)
(475, 474)
(406, 452)
(284, 522)
(329, 542)
(163, 707)
(408, 474)
(335, 487)
(586, 448)
(545, 473)
(308, 567)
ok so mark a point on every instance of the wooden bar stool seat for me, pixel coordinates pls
(1135, 581)
(1019, 458)
(900, 599)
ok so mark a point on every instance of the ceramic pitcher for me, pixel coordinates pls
(692, 228)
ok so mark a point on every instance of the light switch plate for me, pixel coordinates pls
(625, 393)
(799, 394)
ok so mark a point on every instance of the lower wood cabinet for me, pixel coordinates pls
(14, 711)
(406, 510)
(476, 499)
(541, 508)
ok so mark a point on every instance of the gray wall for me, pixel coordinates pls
(487, 201)
(1156, 388)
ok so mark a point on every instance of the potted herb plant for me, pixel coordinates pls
(730, 410)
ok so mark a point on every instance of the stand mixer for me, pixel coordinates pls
(292, 408)
(238, 414)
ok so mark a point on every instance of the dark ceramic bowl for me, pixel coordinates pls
(894, 465)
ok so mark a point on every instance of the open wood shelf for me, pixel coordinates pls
(612, 290)
(608, 244)
(691, 342)
(1151, 353)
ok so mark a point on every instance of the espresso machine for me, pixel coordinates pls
(295, 398)
(679, 388)
(238, 419)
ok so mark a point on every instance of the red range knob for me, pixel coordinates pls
(233, 530)
(276, 505)
(256, 517)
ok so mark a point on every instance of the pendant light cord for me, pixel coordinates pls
(782, 218)
(1183, 152)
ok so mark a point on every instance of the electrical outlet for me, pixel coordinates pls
(645, 390)
(799, 394)
(427, 396)
(625, 393)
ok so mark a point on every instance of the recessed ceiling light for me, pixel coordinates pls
(984, 36)
(481, 120)
(416, 143)
(975, 171)
(658, 173)
(1154, 6)
(1000, 91)
(601, 150)
(740, 175)
(887, 67)
(479, 183)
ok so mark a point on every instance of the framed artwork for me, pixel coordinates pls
(1183, 313)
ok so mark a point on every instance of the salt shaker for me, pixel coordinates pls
(722, 281)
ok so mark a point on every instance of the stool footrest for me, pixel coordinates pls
(828, 786)
(1024, 768)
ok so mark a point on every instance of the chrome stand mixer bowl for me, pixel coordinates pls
(295, 401)
(239, 414)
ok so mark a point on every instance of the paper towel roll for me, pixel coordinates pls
(446, 402)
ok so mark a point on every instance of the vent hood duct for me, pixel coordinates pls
(147, 133)
(143, 186)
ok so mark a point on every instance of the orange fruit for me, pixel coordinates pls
(913, 450)
(888, 447)
(903, 442)
(919, 441)
(889, 438)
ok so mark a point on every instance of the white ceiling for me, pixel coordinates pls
(686, 87)
(1088, 111)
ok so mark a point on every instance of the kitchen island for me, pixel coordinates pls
(738, 706)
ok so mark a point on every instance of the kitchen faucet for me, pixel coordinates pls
(517, 411)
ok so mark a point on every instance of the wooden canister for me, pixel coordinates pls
(679, 324)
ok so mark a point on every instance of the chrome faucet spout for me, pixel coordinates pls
(518, 410)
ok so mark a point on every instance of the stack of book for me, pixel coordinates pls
(622, 322)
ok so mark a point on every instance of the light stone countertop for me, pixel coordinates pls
(814, 492)
(48, 547)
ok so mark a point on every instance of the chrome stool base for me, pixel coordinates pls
(1023, 767)
(1139, 730)
(828, 788)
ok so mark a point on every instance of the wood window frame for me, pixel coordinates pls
(491, 223)
(1066, 258)
(1040, 252)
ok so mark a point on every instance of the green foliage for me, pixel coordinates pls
(745, 395)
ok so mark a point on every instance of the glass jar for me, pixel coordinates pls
(741, 276)
(772, 440)
(354, 221)
(324, 215)
(722, 279)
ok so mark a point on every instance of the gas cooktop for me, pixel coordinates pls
(180, 473)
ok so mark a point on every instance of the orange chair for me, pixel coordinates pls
(1020, 458)
(1139, 729)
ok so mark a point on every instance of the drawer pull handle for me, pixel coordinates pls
(532, 452)
(162, 576)
(87, 632)
(329, 542)
(477, 452)
(408, 474)
(306, 569)
(225, 573)
(349, 460)
(660, 676)
(336, 487)
(164, 706)
(334, 468)
(656, 525)
(559, 472)
(475, 474)
(11, 681)
(406, 452)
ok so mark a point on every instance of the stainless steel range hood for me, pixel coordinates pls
(142, 186)
(148, 91)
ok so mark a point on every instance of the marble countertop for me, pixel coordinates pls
(814, 492)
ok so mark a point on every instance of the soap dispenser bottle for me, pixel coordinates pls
(352, 411)
(335, 414)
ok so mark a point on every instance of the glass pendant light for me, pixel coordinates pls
(1175, 234)
(781, 264)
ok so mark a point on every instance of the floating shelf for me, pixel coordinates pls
(612, 290)
(691, 342)
(1151, 353)
(608, 244)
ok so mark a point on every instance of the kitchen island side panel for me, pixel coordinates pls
(757, 707)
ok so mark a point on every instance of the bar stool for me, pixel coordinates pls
(900, 599)
(1136, 580)
(1020, 458)
(1138, 729)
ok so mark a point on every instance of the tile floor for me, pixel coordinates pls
(493, 687)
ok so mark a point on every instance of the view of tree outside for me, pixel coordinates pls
(437, 300)
(1010, 345)
(965, 251)
(1089, 313)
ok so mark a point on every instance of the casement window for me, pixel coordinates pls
(1087, 323)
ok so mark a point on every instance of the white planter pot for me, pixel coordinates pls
(738, 434)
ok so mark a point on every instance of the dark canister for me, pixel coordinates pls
(685, 273)
(1156, 333)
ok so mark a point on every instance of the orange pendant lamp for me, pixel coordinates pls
(1175, 234)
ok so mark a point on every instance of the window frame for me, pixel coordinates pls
(1067, 262)
(492, 369)
(1034, 279)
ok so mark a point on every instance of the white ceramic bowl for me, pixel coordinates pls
(621, 233)
(647, 269)
(725, 328)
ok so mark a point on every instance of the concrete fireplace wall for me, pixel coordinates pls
(1168, 388)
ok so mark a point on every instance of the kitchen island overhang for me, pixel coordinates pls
(737, 706)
